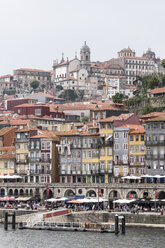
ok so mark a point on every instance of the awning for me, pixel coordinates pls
(110, 136)
(57, 199)
(23, 198)
(131, 177)
(123, 201)
(10, 177)
(154, 176)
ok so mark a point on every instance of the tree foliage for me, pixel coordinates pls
(69, 95)
(34, 84)
(59, 87)
(163, 63)
(85, 119)
(118, 98)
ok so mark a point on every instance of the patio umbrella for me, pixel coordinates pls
(7, 198)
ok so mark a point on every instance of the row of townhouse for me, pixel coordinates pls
(103, 155)
(36, 155)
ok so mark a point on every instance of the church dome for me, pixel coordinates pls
(85, 47)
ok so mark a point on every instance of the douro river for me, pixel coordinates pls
(134, 238)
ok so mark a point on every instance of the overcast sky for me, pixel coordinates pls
(33, 33)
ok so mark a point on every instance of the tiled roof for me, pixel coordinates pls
(134, 57)
(6, 76)
(8, 152)
(15, 122)
(74, 132)
(46, 134)
(30, 70)
(30, 105)
(44, 94)
(159, 118)
(17, 99)
(5, 130)
(121, 117)
(135, 128)
(27, 129)
(157, 91)
(151, 115)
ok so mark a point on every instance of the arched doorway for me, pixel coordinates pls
(91, 193)
(47, 194)
(69, 193)
(2, 192)
(26, 192)
(145, 195)
(31, 192)
(21, 192)
(10, 192)
(113, 195)
(161, 195)
(16, 192)
(132, 195)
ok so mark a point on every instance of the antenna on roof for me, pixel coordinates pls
(62, 59)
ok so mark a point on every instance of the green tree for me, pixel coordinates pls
(59, 87)
(85, 119)
(163, 63)
(34, 84)
(118, 98)
(69, 95)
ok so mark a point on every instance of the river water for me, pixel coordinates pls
(134, 238)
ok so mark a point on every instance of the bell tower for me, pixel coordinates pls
(85, 56)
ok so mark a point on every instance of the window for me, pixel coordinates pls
(116, 147)
(48, 145)
(131, 137)
(11, 165)
(84, 154)
(137, 137)
(18, 136)
(131, 148)
(102, 165)
(136, 148)
(17, 146)
(125, 135)
(89, 154)
(32, 145)
(5, 165)
(142, 148)
(102, 126)
(137, 159)
(26, 146)
(109, 151)
(125, 146)
(43, 145)
(37, 112)
(142, 137)
(116, 135)
(109, 125)
(102, 152)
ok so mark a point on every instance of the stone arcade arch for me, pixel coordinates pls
(16, 192)
(2, 192)
(10, 192)
(69, 193)
(45, 194)
(132, 194)
(27, 192)
(91, 193)
(114, 195)
(161, 195)
(21, 192)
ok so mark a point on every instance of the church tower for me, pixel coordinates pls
(85, 57)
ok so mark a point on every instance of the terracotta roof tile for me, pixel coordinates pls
(157, 91)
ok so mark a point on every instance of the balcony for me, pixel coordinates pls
(45, 160)
(22, 161)
(155, 142)
(35, 159)
(32, 172)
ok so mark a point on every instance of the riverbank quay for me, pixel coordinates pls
(155, 220)
(18, 213)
